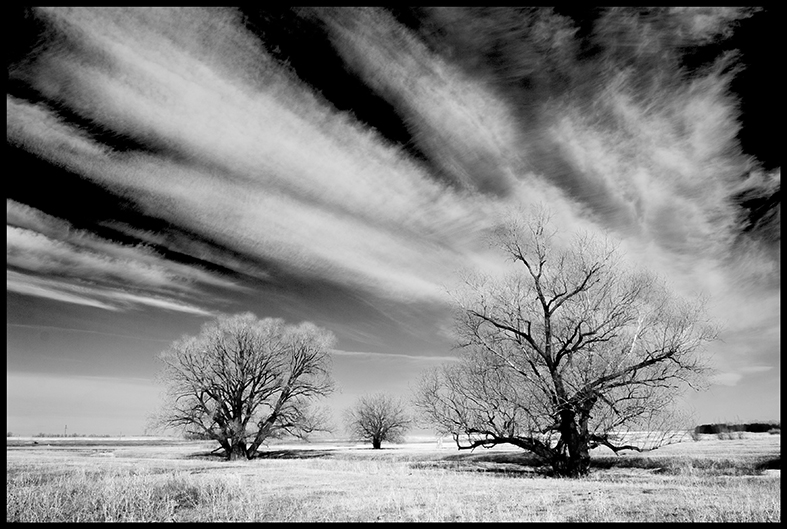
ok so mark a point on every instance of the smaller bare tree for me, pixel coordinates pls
(377, 418)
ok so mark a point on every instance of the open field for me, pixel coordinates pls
(147, 479)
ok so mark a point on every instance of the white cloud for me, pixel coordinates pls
(47, 246)
(42, 288)
(732, 378)
(726, 379)
(98, 297)
(33, 252)
(395, 356)
(755, 369)
(707, 23)
(467, 130)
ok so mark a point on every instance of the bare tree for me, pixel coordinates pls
(243, 380)
(378, 418)
(567, 353)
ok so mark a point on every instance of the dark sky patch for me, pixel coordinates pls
(301, 43)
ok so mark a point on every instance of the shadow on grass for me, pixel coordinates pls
(774, 463)
(218, 455)
(517, 458)
(682, 465)
(510, 464)
(314, 453)
(525, 464)
(503, 469)
(294, 454)
(305, 453)
(608, 462)
(521, 464)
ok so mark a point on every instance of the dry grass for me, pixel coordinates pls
(709, 480)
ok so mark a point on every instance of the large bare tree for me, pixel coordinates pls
(377, 418)
(243, 380)
(566, 353)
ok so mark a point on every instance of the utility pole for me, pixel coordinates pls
(65, 431)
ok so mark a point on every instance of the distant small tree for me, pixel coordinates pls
(243, 380)
(377, 418)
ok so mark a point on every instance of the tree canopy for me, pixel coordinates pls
(566, 353)
(243, 380)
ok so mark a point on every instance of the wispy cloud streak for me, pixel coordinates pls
(372, 355)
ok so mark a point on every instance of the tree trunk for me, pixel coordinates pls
(572, 459)
(263, 433)
(376, 443)
(237, 451)
(571, 465)
(578, 457)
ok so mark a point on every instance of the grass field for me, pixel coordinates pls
(710, 480)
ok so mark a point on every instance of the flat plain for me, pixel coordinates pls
(715, 478)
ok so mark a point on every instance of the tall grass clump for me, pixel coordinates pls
(106, 495)
(682, 465)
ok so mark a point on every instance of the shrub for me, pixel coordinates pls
(718, 428)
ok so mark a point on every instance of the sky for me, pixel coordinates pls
(345, 166)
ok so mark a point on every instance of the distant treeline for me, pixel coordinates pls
(69, 435)
(196, 436)
(754, 427)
